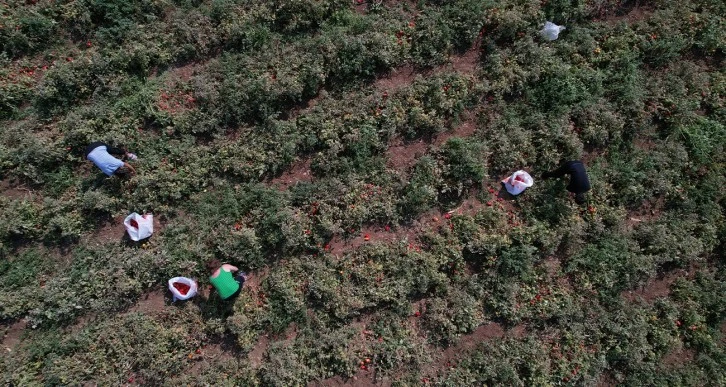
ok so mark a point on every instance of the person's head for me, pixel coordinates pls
(580, 198)
(213, 265)
(122, 171)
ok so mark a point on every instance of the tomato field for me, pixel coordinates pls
(347, 155)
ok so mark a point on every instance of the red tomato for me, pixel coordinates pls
(182, 288)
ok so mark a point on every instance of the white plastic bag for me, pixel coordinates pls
(186, 281)
(139, 227)
(518, 182)
(551, 31)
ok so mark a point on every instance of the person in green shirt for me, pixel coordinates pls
(228, 285)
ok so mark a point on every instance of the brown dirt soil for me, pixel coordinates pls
(553, 267)
(362, 378)
(376, 234)
(360, 7)
(606, 380)
(396, 79)
(112, 231)
(650, 211)
(403, 155)
(14, 191)
(185, 72)
(447, 359)
(212, 354)
(298, 172)
(465, 129)
(305, 106)
(645, 144)
(150, 303)
(254, 279)
(467, 343)
(655, 288)
(467, 62)
(590, 156)
(11, 335)
(256, 356)
(432, 219)
(678, 356)
(258, 352)
(635, 15)
(405, 75)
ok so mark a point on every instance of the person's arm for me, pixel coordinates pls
(229, 267)
(559, 172)
(127, 165)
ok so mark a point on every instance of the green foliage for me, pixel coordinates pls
(422, 190)
(465, 162)
(347, 156)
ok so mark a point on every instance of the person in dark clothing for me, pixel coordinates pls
(100, 154)
(579, 182)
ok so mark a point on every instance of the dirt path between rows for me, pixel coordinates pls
(12, 335)
(487, 332)
(15, 191)
(401, 154)
(465, 63)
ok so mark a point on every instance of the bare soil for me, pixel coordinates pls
(253, 282)
(396, 79)
(298, 172)
(112, 231)
(638, 13)
(466, 63)
(305, 106)
(467, 343)
(15, 191)
(185, 72)
(553, 267)
(403, 155)
(465, 129)
(405, 75)
(678, 356)
(152, 302)
(224, 350)
(432, 219)
(606, 380)
(371, 234)
(447, 359)
(650, 211)
(258, 352)
(656, 288)
(11, 335)
(363, 378)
